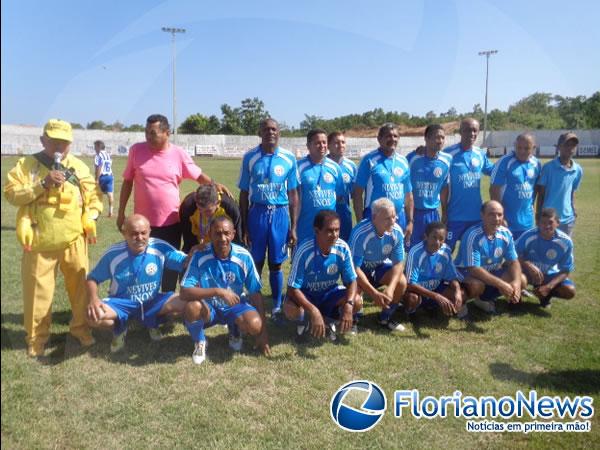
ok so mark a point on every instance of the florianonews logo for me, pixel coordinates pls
(360, 419)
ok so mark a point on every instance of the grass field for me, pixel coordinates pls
(153, 396)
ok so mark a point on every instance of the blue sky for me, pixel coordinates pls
(87, 60)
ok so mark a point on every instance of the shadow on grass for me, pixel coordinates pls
(523, 308)
(13, 333)
(583, 381)
(8, 228)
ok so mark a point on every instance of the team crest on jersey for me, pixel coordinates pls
(229, 277)
(498, 252)
(530, 173)
(328, 178)
(398, 171)
(475, 162)
(346, 178)
(438, 267)
(387, 249)
(278, 170)
(551, 254)
(332, 269)
(437, 172)
(151, 269)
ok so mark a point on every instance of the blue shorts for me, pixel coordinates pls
(375, 275)
(455, 231)
(106, 183)
(491, 292)
(268, 228)
(429, 303)
(423, 217)
(227, 315)
(566, 282)
(146, 312)
(326, 302)
(345, 213)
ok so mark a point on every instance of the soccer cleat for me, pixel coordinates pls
(330, 332)
(391, 325)
(463, 313)
(36, 350)
(488, 307)
(235, 343)
(86, 340)
(546, 302)
(118, 342)
(277, 317)
(526, 293)
(155, 334)
(199, 355)
(354, 329)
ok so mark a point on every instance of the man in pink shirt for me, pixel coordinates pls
(156, 168)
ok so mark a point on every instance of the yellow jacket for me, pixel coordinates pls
(55, 213)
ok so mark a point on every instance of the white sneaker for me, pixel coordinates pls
(488, 307)
(118, 342)
(199, 355)
(155, 334)
(330, 331)
(391, 325)
(235, 343)
(526, 293)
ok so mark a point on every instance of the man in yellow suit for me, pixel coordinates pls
(58, 202)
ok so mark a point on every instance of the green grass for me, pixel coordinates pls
(153, 396)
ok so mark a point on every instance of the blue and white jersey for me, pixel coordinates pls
(428, 177)
(465, 182)
(517, 180)
(382, 176)
(477, 250)
(103, 160)
(560, 184)
(237, 273)
(430, 269)
(551, 256)
(318, 273)
(349, 170)
(370, 250)
(136, 276)
(268, 177)
(320, 184)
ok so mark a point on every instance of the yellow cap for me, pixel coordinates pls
(58, 129)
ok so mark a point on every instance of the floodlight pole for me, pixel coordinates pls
(173, 31)
(487, 54)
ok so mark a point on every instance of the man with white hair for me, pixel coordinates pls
(377, 245)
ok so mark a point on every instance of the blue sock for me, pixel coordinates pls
(276, 281)
(196, 330)
(386, 314)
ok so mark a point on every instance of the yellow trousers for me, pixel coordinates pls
(38, 272)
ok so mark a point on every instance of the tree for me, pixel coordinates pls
(592, 110)
(116, 126)
(76, 126)
(251, 113)
(135, 127)
(231, 123)
(312, 122)
(199, 124)
(96, 125)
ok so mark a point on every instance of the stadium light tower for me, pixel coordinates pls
(487, 54)
(174, 31)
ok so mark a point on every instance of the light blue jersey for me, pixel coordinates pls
(236, 272)
(477, 250)
(517, 180)
(382, 176)
(428, 177)
(317, 273)
(560, 184)
(430, 269)
(349, 169)
(551, 256)
(465, 182)
(136, 277)
(320, 185)
(370, 250)
(268, 177)
(103, 160)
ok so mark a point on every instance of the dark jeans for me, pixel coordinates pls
(172, 235)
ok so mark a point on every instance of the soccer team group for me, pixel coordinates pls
(411, 212)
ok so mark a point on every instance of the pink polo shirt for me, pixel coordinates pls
(156, 177)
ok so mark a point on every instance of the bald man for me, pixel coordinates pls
(488, 260)
(134, 268)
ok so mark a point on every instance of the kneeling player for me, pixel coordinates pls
(377, 246)
(433, 281)
(134, 268)
(546, 256)
(489, 261)
(313, 282)
(213, 287)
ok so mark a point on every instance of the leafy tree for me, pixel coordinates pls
(96, 125)
(592, 110)
(199, 124)
(231, 123)
(251, 113)
(135, 127)
(76, 126)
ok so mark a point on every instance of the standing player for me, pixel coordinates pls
(558, 182)
(104, 175)
(213, 287)
(429, 179)
(377, 246)
(433, 281)
(385, 173)
(313, 282)
(488, 260)
(269, 205)
(134, 268)
(546, 256)
(336, 143)
(513, 184)
(321, 183)
(468, 163)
